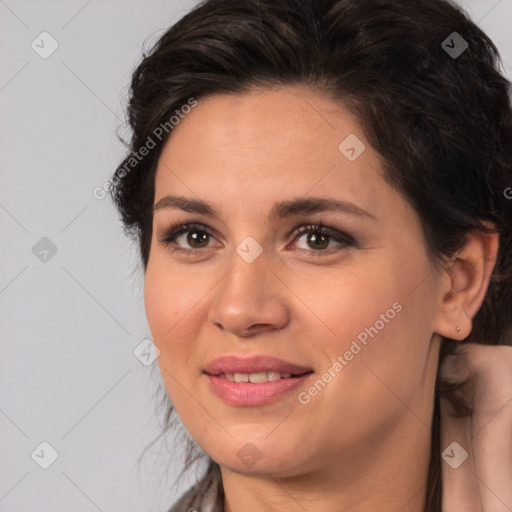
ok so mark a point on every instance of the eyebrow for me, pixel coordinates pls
(280, 210)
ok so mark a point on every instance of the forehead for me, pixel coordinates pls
(267, 121)
(267, 144)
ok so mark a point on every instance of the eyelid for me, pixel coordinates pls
(178, 228)
(335, 234)
(170, 234)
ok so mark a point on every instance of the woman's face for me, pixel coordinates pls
(348, 308)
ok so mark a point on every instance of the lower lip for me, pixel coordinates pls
(246, 393)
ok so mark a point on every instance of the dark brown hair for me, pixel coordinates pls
(441, 122)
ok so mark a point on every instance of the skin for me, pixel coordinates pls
(482, 482)
(363, 442)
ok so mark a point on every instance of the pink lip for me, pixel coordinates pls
(246, 393)
(254, 364)
(251, 394)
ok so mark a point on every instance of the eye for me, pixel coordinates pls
(193, 234)
(197, 237)
(320, 236)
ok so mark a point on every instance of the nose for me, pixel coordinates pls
(250, 299)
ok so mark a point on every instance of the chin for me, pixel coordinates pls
(257, 457)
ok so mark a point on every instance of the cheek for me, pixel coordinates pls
(161, 310)
(378, 320)
(171, 296)
(348, 302)
(171, 301)
(167, 301)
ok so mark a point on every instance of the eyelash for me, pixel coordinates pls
(177, 229)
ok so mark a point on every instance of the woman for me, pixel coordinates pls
(318, 189)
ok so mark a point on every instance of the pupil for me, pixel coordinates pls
(197, 237)
(316, 237)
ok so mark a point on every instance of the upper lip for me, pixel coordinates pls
(254, 364)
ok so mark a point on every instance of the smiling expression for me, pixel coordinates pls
(288, 251)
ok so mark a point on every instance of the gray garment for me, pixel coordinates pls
(205, 496)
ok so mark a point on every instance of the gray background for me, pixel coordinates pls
(71, 320)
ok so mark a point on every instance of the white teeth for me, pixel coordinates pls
(258, 377)
(255, 378)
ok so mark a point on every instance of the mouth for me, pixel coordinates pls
(254, 367)
(254, 381)
(252, 394)
(258, 377)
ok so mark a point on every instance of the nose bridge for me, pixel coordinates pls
(249, 295)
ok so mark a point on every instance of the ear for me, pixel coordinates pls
(464, 282)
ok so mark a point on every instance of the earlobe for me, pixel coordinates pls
(464, 284)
